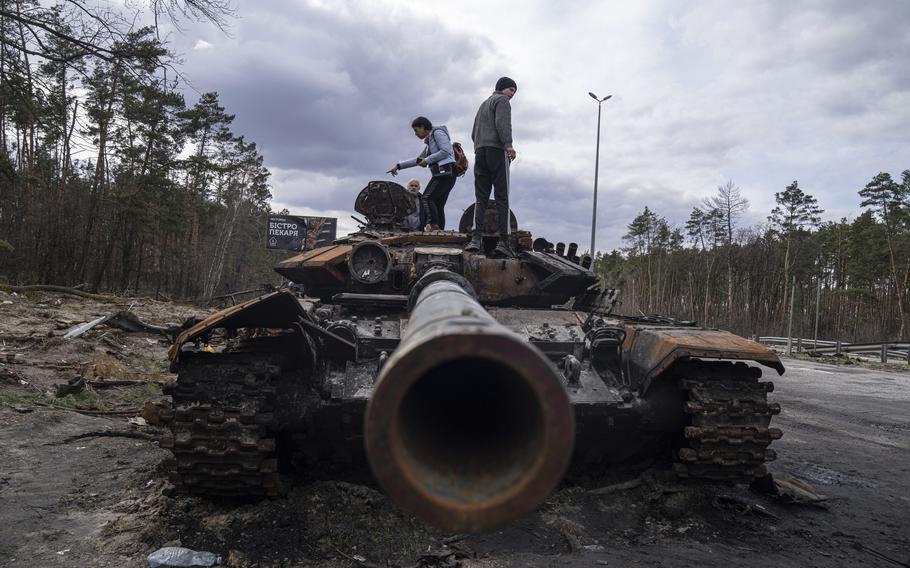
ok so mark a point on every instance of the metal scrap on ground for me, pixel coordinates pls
(125, 320)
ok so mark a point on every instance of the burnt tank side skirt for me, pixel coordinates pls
(649, 351)
(279, 309)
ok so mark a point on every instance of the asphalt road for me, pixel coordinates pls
(847, 431)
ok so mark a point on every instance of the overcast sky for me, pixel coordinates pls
(758, 92)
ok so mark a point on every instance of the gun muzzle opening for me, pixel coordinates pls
(471, 429)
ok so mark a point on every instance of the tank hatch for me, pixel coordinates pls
(385, 204)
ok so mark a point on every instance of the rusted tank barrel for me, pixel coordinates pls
(469, 426)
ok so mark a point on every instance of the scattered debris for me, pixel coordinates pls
(789, 489)
(158, 410)
(91, 412)
(176, 557)
(128, 321)
(625, 485)
(8, 373)
(72, 386)
(21, 408)
(107, 434)
(570, 530)
(125, 320)
(358, 559)
(59, 290)
(137, 421)
(118, 346)
(742, 506)
(81, 328)
(102, 383)
(445, 557)
(237, 559)
(797, 490)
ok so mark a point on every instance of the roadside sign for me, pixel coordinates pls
(293, 232)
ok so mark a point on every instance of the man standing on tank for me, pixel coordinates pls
(493, 151)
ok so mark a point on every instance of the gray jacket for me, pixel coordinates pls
(438, 149)
(493, 123)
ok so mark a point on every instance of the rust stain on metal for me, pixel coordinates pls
(315, 257)
(269, 310)
(498, 279)
(325, 260)
(655, 349)
(426, 238)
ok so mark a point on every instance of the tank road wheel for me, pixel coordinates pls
(729, 419)
(221, 432)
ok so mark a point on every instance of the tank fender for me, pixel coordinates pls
(649, 351)
(277, 309)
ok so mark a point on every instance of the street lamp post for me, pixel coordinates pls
(596, 167)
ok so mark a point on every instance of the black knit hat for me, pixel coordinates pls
(505, 83)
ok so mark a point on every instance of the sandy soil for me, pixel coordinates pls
(102, 500)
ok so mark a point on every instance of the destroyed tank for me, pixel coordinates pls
(467, 386)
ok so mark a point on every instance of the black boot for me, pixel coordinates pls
(503, 250)
(476, 244)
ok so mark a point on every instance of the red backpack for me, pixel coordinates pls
(461, 161)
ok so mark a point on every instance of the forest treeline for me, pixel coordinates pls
(854, 273)
(108, 178)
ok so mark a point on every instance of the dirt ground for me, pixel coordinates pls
(80, 489)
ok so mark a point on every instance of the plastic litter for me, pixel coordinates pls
(177, 557)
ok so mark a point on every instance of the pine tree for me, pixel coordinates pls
(795, 212)
(887, 199)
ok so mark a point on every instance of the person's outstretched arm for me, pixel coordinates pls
(408, 163)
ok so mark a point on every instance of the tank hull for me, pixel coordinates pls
(637, 408)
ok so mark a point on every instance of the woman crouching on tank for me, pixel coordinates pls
(439, 156)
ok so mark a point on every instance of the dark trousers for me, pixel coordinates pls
(436, 194)
(491, 172)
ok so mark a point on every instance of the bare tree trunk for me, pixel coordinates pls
(98, 182)
(710, 268)
(899, 291)
(786, 274)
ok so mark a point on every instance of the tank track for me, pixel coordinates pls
(221, 427)
(729, 415)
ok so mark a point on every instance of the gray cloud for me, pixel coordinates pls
(763, 93)
(329, 90)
